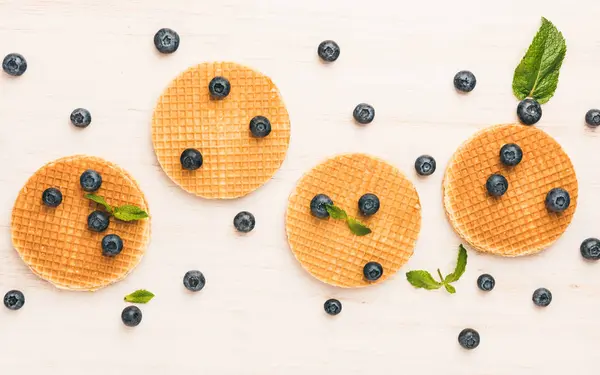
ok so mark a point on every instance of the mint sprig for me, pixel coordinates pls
(354, 225)
(423, 279)
(126, 212)
(536, 76)
(139, 296)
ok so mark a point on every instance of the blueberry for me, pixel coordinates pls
(194, 281)
(98, 221)
(364, 113)
(317, 206)
(465, 81)
(191, 159)
(166, 40)
(90, 180)
(468, 338)
(131, 316)
(558, 200)
(590, 249)
(425, 165)
(328, 51)
(14, 300)
(244, 222)
(260, 126)
(592, 118)
(368, 204)
(219, 87)
(81, 117)
(496, 185)
(542, 297)
(372, 271)
(511, 154)
(529, 111)
(111, 245)
(14, 64)
(332, 306)
(486, 282)
(52, 197)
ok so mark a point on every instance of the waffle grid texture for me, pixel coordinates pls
(326, 248)
(56, 243)
(235, 163)
(518, 222)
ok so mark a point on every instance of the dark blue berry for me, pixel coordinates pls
(98, 221)
(14, 300)
(486, 282)
(111, 245)
(511, 154)
(328, 51)
(14, 64)
(368, 204)
(468, 338)
(52, 197)
(425, 165)
(592, 118)
(496, 185)
(194, 280)
(332, 306)
(372, 271)
(558, 200)
(260, 126)
(131, 316)
(542, 297)
(191, 159)
(317, 206)
(219, 87)
(364, 113)
(465, 81)
(529, 111)
(81, 117)
(244, 222)
(590, 249)
(166, 40)
(90, 180)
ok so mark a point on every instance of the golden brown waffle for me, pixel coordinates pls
(326, 248)
(518, 222)
(235, 163)
(56, 242)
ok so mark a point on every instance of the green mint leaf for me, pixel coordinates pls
(98, 199)
(357, 227)
(461, 266)
(139, 296)
(536, 75)
(336, 212)
(129, 213)
(450, 288)
(422, 279)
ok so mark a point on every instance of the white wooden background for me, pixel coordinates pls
(260, 312)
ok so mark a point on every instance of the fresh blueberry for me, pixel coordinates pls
(542, 297)
(368, 204)
(529, 111)
(244, 222)
(372, 271)
(260, 126)
(425, 165)
(166, 40)
(486, 282)
(468, 338)
(333, 306)
(592, 118)
(14, 300)
(191, 159)
(317, 206)
(131, 316)
(52, 197)
(590, 249)
(465, 81)
(558, 200)
(328, 51)
(194, 281)
(496, 185)
(364, 113)
(219, 87)
(14, 64)
(98, 221)
(90, 180)
(111, 245)
(511, 154)
(81, 117)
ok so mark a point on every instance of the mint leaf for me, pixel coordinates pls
(336, 212)
(450, 288)
(357, 227)
(98, 199)
(536, 75)
(422, 279)
(461, 266)
(139, 296)
(129, 213)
